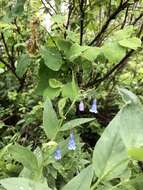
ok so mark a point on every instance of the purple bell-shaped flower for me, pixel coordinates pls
(94, 107)
(58, 154)
(81, 106)
(71, 144)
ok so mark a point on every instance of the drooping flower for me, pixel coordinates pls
(58, 154)
(81, 106)
(71, 144)
(94, 107)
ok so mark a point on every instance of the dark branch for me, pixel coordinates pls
(81, 7)
(105, 26)
(125, 18)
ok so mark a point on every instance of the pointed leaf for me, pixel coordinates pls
(50, 120)
(24, 156)
(132, 43)
(19, 183)
(82, 181)
(74, 123)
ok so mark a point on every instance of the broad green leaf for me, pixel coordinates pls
(82, 181)
(52, 58)
(61, 105)
(43, 87)
(55, 83)
(110, 156)
(64, 46)
(75, 122)
(24, 156)
(91, 53)
(67, 91)
(136, 153)
(50, 120)
(113, 51)
(128, 96)
(75, 51)
(124, 132)
(123, 34)
(51, 92)
(132, 43)
(22, 64)
(19, 183)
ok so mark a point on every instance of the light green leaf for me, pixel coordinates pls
(91, 53)
(52, 58)
(22, 65)
(136, 153)
(68, 92)
(82, 181)
(55, 83)
(19, 183)
(110, 156)
(76, 51)
(50, 120)
(24, 156)
(132, 43)
(61, 105)
(75, 122)
(124, 132)
(113, 51)
(123, 33)
(128, 96)
(43, 87)
(51, 92)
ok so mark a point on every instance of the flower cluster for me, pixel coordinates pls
(71, 146)
(93, 108)
(71, 143)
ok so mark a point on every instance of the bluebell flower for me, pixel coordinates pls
(58, 154)
(81, 106)
(71, 144)
(94, 107)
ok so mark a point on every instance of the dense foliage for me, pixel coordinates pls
(63, 64)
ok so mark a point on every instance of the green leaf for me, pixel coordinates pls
(132, 43)
(123, 34)
(61, 105)
(24, 156)
(91, 53)
(124, 132)
(110, 156)
(128, 96)
(75, 87)
(67, 91)
(74, 123)
(22, 64)
(75, 51)
(19, 183)
(50, 120)
(136, 153)
(113, 51)
(52, 58)
(51, 92)
(82, 181)
(55, 83)
(43, 87)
